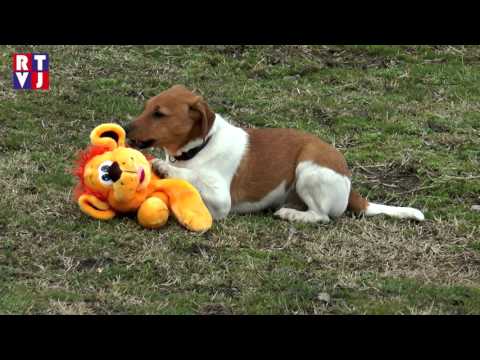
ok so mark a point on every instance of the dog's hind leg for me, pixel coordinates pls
(309, 216)
(324, 191)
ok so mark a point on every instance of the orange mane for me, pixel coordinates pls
(83, 157)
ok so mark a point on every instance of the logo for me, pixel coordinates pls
(30, 71)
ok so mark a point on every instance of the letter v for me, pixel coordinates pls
(22, 78)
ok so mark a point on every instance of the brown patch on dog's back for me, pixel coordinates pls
(272, 157)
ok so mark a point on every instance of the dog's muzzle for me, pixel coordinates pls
(140, 144)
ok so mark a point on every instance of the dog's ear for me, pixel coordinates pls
(109, 135)
(204, 115)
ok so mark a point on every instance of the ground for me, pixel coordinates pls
(406, 117)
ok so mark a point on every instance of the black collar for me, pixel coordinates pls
(190, 154)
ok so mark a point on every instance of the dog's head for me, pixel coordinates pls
(170, 120)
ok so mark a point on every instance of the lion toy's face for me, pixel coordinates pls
(111, 172)
(120, 173)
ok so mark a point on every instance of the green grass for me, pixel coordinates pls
(406, 117)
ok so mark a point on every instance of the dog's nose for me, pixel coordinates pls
(114, 172)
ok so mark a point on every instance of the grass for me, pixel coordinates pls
(406, 117)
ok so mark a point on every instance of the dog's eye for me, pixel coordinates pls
(158, 114)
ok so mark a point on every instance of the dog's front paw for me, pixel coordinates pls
(161, 168)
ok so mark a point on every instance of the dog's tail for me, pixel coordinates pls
(360, 205)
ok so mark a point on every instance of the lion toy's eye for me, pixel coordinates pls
(103, 173)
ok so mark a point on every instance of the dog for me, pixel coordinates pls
(240, 170)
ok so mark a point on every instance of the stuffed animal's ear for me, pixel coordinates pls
(109, 135)
(94, 207)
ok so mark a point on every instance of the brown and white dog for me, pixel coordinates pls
(245, 170)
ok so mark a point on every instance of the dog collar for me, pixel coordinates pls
(190, 154)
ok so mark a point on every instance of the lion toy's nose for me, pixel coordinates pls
(114, 172)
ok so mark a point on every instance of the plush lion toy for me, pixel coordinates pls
(116, 179)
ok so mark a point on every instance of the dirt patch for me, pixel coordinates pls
(395, 177)
(215, 309)
(452, 142)
(234, 51)
(194, 249)
(324, 116)
(93, 263)
(340, 57)
(58, 307)
(321, 56)
(468, 199)
(437, 127)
